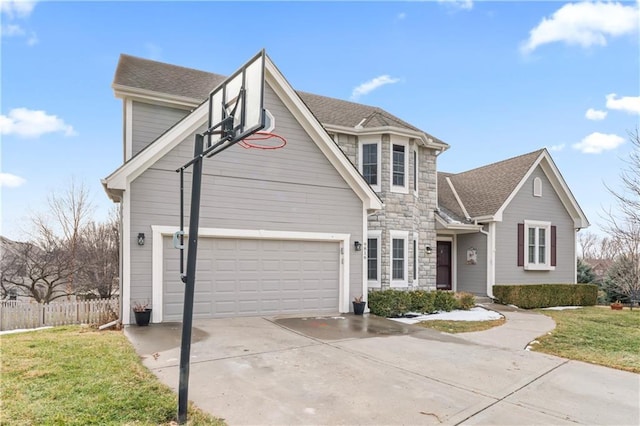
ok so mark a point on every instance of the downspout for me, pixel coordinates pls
(490, 261)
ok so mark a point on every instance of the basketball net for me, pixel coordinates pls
(257, 141)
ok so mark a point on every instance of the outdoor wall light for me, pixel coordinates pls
(429, 250)
(141, 239)
(357, 245)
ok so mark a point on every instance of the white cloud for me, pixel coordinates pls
(12, 10)
(596, 142)
(584, 24)
(556, 147)
(371, 85)
(17, 8)
(12, 30)
(458, 4)
(630, 104)
(28, 123)
(595, 114)
(7, 180)
(400, 16)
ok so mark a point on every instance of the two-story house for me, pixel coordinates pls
(353, 202)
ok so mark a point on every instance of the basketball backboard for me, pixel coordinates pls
(236, 106)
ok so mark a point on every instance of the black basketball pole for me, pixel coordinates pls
(187, 320)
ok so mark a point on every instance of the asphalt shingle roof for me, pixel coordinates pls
(485, 189)
(139, 73)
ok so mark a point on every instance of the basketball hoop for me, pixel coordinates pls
(277, 142)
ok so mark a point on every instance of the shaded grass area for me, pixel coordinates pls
(79, 376)
(597, 335)
(461, 326)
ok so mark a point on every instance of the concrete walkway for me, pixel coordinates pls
(521, 328)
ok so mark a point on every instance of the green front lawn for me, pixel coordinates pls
(79, 376)
(597, 335)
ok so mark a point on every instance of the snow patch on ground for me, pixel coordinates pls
(474, 314)
(561, 308)
(23, 330)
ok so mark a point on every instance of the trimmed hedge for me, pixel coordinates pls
(396, 303)
(546, 295)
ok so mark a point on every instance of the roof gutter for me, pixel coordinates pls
(151, 95)
(114, 194)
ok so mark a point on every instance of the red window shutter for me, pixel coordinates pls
(553, 245)
(521, 244)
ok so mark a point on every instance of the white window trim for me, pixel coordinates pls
(367, 141)
(378, 236)
(157, 257)
(537, 266)
(537, 187)
(405, 236)
(416, 171)
(397, 188)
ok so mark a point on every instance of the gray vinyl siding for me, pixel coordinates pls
(472, 278)
(548, 208)
(150, 121)
(293, 189)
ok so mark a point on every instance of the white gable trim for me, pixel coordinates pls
(149, 96)
(158, 149)
(455, 194)
(559, 185)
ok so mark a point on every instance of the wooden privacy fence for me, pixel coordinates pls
(14, 315)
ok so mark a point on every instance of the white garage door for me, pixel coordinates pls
(244, 277)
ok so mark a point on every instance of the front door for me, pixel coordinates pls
(443, 265)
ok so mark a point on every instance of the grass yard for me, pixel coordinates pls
(597, 335)
(80, 376)
(461, 326)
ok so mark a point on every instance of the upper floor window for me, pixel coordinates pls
(399, 157)
(415, 172)
(370, 162)
(398, 165)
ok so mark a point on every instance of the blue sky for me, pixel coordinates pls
(492, 79)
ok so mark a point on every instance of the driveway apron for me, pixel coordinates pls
(369, 370)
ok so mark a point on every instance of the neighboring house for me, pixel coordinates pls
(278, 228)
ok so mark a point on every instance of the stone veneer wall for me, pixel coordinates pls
(404, 212)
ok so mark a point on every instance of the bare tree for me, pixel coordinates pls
(98, 254)
(69, 212)
(38, 269)
(624, 226)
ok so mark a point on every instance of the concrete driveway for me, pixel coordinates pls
(369, 370)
